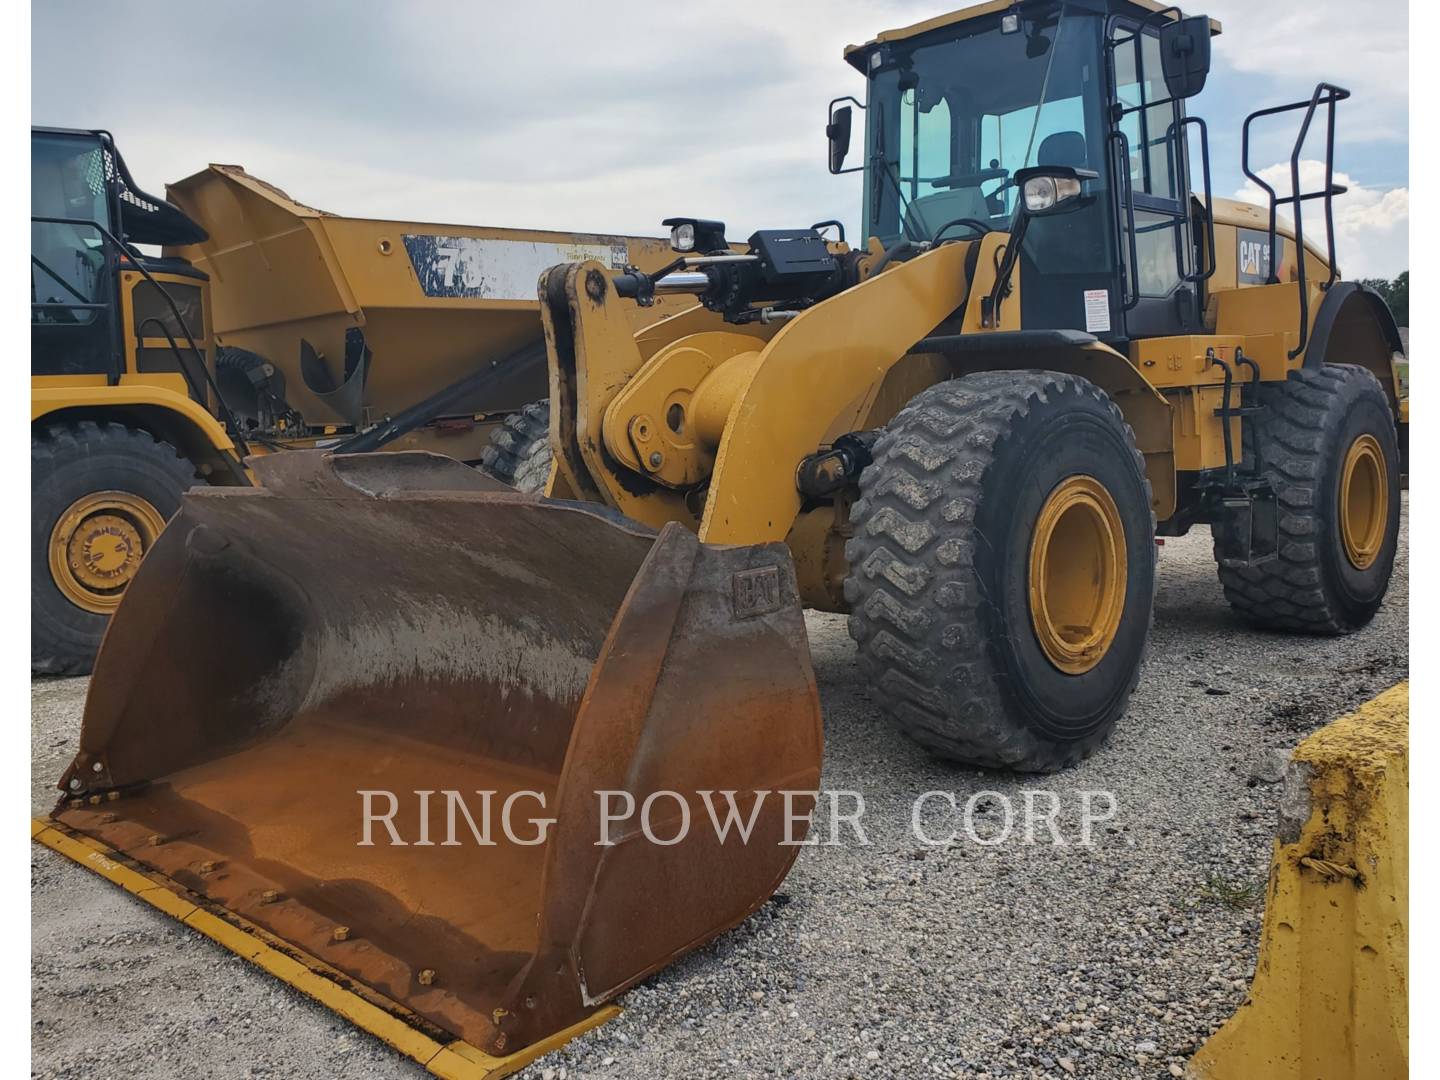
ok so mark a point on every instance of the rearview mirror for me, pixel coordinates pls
(837, 132)
(1185, 55)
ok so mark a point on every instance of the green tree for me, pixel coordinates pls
(1396, 294)
(1399, 298)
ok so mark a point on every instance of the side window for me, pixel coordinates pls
(1016, 140)
(934, 195)
(1156, 176)
(67, 180)
(1155, 238)
(1152, 159)
(925, 142)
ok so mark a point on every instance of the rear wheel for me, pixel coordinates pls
(519, 451)
(100, 495)
(1327, 443)
(1003, 567)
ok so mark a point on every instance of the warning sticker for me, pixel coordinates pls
(1097, 310)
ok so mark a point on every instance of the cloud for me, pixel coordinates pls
(1363, 48)
(1372, 227)
(594, 117)
(597, 117)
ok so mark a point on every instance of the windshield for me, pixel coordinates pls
(950, 120)
(67, 180)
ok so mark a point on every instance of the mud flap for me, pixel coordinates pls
(400, 625)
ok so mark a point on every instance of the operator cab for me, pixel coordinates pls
(961, 110)
(86, 215)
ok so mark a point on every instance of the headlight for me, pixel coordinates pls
(682, 237)
(1044, 192)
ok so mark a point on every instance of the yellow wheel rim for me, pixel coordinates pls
(97, 545)
(1077, 574)
(1364, 502)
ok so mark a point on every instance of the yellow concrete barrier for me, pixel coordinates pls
(1329, 1000)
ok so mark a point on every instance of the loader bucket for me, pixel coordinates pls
(396, 624)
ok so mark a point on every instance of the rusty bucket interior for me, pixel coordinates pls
(397, 624)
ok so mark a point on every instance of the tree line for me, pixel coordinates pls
(1396, 294)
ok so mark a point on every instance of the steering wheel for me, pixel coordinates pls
(980, 227)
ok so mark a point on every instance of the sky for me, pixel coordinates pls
(608, 117)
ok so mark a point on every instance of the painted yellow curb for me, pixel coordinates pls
(451, 1060)
(1330, 998)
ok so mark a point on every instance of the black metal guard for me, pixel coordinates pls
(1224, 413)
(1198, 274)
(1122, 194)
(1328, 95)
(1250, 405)
(197, 386)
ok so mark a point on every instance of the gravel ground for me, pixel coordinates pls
(892, 959)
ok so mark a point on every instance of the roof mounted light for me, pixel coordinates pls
(1010, 21)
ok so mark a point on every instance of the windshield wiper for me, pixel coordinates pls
(892, 173)
(1044, 87)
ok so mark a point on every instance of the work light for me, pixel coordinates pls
(1044, 192)
(682, 237)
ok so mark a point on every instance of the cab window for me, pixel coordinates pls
(67, 180)
(1152, 158)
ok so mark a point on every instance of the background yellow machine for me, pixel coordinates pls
(966, 432)
(123, 412)
(328, 325)
(266, 325)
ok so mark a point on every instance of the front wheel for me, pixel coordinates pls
(100, 494)
(1002, 571)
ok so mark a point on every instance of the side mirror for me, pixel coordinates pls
(837, 133)
(1051, 189)
(1185, 55)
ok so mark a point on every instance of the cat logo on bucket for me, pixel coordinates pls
(757, 591)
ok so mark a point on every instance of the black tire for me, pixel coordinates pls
(519, 451)
(68, 462)
(1309, 424)
(939, 568)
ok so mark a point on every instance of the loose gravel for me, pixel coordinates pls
(891, 959)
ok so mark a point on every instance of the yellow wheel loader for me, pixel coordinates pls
(1049, 350)
(966, 432)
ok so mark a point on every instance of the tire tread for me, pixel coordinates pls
(912, 589)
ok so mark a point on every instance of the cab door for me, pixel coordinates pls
(1149, 165)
